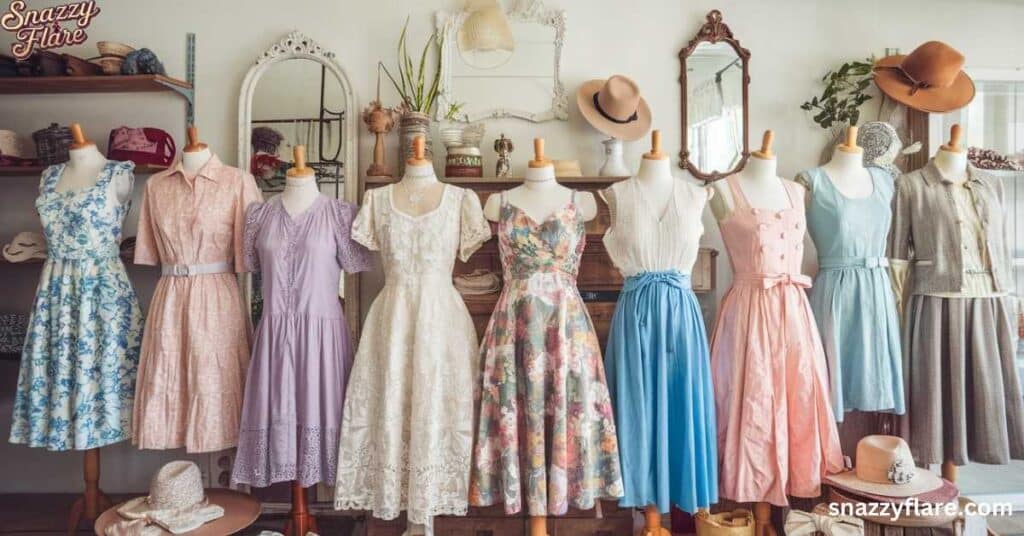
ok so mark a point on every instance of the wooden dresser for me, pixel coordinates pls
(598, 280)
(599, 283)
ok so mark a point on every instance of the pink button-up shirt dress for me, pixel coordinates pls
(195, 347)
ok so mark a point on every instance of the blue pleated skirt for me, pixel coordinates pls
(659, 375)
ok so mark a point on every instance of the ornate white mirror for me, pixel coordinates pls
(297, 93)
(502, 63)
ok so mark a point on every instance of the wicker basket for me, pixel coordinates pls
(52, 144)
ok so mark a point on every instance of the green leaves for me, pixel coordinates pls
(417, 95)
(844, 94)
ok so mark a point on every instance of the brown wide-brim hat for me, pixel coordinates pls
(929, 79)
(615, 107)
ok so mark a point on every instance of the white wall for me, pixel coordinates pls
(792, 43)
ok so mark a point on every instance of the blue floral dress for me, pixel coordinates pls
(77, 379)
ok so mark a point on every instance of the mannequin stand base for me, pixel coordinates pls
(80, 512)
(763, 520)
(300, 525)
(93, 502)
(300, 521)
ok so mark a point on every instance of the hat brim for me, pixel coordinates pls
(630, 131)
(936, 99)
(240, 511)
(923, 482)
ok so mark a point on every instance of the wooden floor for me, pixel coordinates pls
(46, 515)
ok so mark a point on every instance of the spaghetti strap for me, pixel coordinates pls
(789, 186)
(737, 193)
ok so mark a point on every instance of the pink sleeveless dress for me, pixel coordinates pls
(776, 432)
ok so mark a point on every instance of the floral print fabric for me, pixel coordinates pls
(546, 425)
(77, 378)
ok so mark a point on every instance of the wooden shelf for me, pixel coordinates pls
(29, 171)
(140, 83)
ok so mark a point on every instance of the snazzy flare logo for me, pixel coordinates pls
(40, 29)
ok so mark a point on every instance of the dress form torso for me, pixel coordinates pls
(83, 170)
(299, 193)
(540, 196)
(759, 181)
(419, 191)
(952, 165)
(655, 180)
(193, 161)
(847, 172)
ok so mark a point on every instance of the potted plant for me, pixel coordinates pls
(418, 94)
(838, 106)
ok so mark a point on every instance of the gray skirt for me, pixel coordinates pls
(964, 397)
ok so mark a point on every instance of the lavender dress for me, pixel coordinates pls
(301, 354)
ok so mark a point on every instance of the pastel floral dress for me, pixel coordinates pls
(77, 380)
(546, 424)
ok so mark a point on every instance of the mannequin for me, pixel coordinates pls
(81, 172)
(300, 188)
(759, 181)
(84, 164)
(296, 198)
(196, 154)
(541, 195)
(419, 191)
(655, 176)
(951, 158)
(846, 169)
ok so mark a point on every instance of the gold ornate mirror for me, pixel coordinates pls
(713, 81)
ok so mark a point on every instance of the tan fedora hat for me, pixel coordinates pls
(615, 107)
(886, 468)
(929, 79)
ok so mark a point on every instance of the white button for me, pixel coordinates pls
(755, 211)
(782, 235)
(762, 226)
(782, 256)
(778, 215)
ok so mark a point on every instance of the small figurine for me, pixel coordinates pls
(379, 121)
(504, 148)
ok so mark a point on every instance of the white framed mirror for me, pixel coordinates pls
(522, 79)
(298, 93)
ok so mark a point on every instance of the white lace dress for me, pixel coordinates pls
(407, 432)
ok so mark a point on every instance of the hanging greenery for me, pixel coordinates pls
(845, 92)
(417, 93)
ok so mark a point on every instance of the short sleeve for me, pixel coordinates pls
(900, 247)
(253, 224)
(474, 229)
(364, 229)
(248, 193)
(352, 256)
(146, 250)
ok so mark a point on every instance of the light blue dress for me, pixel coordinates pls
(852, 296)
(656, 361)
(77, 378)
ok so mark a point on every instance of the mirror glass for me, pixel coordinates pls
(298, 102)
(518, 77)
(714, 107)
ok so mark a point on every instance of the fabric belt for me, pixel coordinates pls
(189, 270)
(643, 280)
(767, 281)
(839, 263)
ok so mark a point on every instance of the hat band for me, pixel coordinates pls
(915, 84)
(597, 106)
